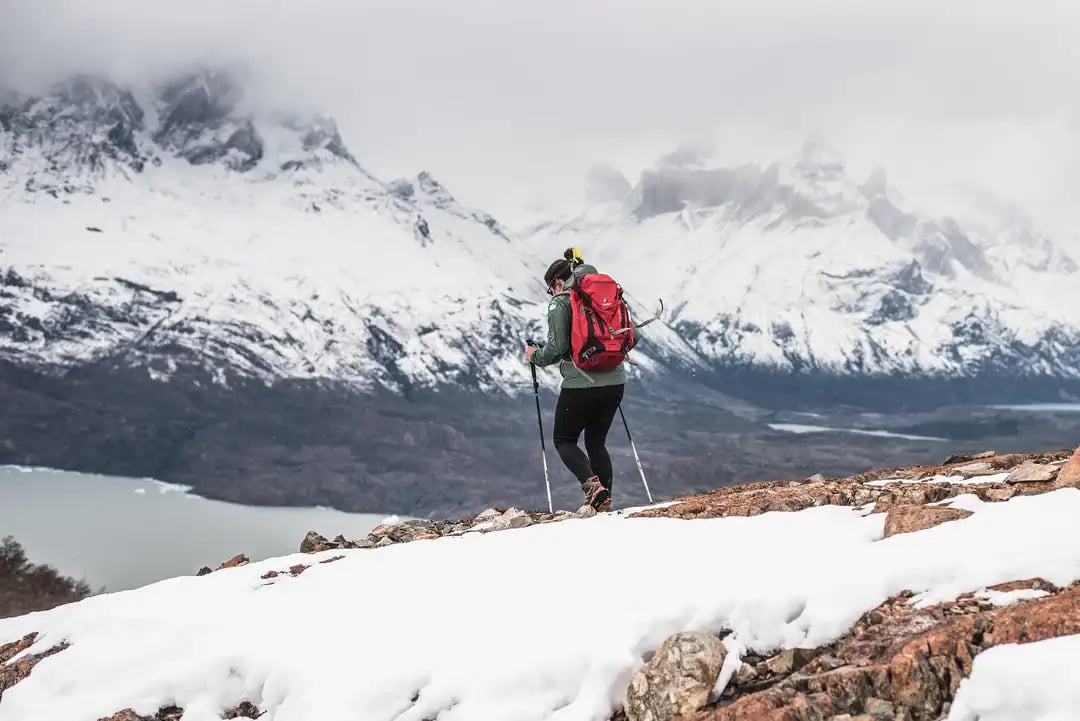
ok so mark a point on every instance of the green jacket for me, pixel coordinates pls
(557, 348)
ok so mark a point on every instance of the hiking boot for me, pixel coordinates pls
(595, 493)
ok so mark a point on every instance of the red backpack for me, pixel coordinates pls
(601, 332)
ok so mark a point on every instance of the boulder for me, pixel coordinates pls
(678, 680)
(789, 660)
(910, 518)
(979, 468)
(880, 710)
(967, 459)
(1029, 471)
(1069, 475)
(512, 518)
(313, 542)
(234, 562)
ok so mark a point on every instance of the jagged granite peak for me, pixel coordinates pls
(84, 122)
(88, 126)
(200, 121)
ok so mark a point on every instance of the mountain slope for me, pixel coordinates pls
(194, 231)
(797, 268)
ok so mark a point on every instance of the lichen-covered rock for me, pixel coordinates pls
(678, 680)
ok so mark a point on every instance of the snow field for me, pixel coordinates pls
(546, 622)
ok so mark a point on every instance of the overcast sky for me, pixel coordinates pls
(509, 102)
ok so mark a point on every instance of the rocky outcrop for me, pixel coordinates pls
(677, 680)
(389, 534)
(174, 713)
(901, 663)
(887, 488)
(11, 672)
(908, 519)
(234, 562)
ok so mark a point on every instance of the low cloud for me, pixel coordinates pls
(510, 103)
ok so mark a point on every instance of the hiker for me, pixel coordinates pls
(588, 401)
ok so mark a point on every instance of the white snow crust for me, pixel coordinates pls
(1027, 682)
(518, 624)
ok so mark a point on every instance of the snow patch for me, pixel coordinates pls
(955, 480)
(802, 428)
(1031, 682)
(1008, 598)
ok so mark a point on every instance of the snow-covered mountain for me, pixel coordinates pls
(181, 225)
(797, 266)
(178, 225)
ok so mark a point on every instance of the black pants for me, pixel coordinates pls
(590, 410)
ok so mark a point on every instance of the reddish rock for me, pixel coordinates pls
(911, 661)
(1028, 472)
(1069, 475)
(996, 494)
(332, 559)
(269, 575)
(11, 672)
(313, 543)
(297, 569)
(234, 562)
(168, 713)
(1037, 584)
(908, 519)
(756, 498)
(125, 715)
(10, 650)
(244, 710)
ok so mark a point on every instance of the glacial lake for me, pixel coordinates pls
(123, 533)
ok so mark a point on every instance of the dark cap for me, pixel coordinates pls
(559, 270)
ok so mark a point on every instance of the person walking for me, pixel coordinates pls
(588, 401)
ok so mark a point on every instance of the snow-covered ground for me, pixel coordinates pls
(546, 622)
(1030, 682)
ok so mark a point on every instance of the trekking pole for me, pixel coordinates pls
(543, 446)
(636, 458)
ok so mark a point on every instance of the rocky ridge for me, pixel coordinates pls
(899, 662)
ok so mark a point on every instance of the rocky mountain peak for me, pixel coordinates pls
(200, 122)
(86, 122)
(88, 125)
